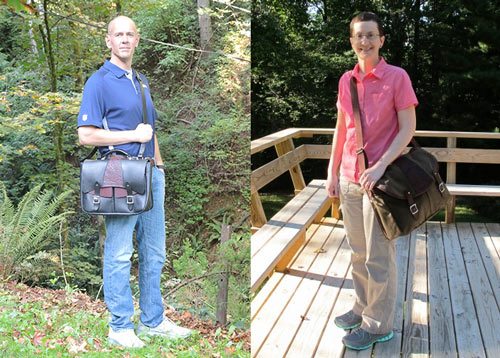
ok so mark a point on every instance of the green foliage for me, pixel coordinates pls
(30, 123)
(233, 258)
(29, 227)
(301, 49)
(191, 263)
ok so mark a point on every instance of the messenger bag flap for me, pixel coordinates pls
(134, 173)
(413, 173)
(92, 170)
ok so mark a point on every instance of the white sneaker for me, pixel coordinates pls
(165, 329)
(125, 338)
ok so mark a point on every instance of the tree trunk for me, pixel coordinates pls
(221, 314)
(34, 47)
(205, 24)
(46, 35)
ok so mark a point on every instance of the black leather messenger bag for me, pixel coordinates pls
(117, 183)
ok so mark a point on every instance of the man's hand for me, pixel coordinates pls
(144, 133)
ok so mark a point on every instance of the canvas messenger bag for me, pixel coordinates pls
(117, 183)
(411, 190)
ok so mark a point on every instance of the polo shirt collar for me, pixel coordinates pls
(117, 71)
(378, 71)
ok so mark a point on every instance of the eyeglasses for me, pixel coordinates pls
(369, 36)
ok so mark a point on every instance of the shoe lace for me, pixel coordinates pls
(359, 332)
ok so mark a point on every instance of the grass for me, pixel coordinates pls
(49, 329)
(272, 203)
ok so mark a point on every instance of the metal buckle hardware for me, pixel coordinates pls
(96, 200)
(413, 209)
(441, 187)
(130, 199)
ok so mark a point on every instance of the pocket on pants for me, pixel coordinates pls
(344, 186)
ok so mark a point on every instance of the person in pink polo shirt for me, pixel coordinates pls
(387, 108)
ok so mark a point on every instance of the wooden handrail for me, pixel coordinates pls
(258, 145)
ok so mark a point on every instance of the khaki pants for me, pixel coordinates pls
(373, 260)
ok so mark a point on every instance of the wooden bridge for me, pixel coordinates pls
(448, 273)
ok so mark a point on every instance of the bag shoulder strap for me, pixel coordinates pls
(360, 151)
(144, 111)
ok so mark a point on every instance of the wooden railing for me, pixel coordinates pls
(289, 159)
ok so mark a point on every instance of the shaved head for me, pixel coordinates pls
(120, 20)
(122, 39)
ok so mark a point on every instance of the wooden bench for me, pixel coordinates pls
(275, 243)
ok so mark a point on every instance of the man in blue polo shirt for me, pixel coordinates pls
(111, 117)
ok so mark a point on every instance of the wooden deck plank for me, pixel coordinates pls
(314, 246)
(392, 348)
(266, 318)
(467, 333)
(279, 339)
(264, 321)
(309, 333)
(494, 230)
(267, 290)
(487, 310)
(274, 249)
(442, 331)
(280, 219)
(489, 256)
(416, 329)
(330, 345)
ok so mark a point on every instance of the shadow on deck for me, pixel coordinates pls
(447, 301)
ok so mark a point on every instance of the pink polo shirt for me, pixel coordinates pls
(382, 93)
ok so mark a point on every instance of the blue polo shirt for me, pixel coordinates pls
(110, 93)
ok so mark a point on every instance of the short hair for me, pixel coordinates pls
(366, 16)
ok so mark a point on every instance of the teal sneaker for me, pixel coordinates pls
(359, 339)
(348, 320)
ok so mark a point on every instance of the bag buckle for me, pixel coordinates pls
(413, 209)
(96, 200)
(130, 200)
(441, 187)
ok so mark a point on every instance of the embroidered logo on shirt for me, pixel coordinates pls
(84, 117)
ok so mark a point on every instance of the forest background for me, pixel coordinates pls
(48, 50)
(450, 49)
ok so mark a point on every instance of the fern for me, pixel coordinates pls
(6, 207)
(27, 229)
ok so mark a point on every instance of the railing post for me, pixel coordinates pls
(258, 216)
(295, 171)
(336, 208)
(451, 178)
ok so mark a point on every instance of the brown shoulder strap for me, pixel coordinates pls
(360, 151)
